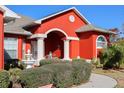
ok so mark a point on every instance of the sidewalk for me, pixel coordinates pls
(99, 81)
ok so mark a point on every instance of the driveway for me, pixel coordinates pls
(99, 81)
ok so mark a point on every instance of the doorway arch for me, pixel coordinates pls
(54, 43)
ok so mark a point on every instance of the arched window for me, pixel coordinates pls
(101, 42)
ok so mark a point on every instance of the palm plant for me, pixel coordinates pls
(112, 57)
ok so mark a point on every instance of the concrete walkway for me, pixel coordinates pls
(99, 81)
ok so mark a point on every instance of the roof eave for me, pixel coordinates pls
(72, 8)
(2, 10)
(81, 15)
(96, 31)
(17, 33)
(8, 12)
(31, 25)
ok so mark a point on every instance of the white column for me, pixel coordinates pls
(40, 49)
(66, 50)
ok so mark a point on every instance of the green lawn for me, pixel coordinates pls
(118, 75)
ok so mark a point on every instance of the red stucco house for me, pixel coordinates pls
(66, 34)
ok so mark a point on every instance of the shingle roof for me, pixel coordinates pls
(90, 27)
(16, 26)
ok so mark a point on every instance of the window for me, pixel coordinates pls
(101, 42)
(11, 48)
(34, 49)
(71, 18)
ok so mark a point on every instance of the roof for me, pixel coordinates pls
(73, 8)
(16, 26)
(2, 10)
(8, 12)
(90, 27)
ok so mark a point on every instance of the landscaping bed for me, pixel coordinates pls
(59, 74)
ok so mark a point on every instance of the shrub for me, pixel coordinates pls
(78, 60)
(44, 62)
(14, 73)
(96, 62)
(61, 74)
(4, 79)
(14, 77)
(49, 61)
(112, 57)
(21, 65)
(36, 77)
(81, 72)
(14, 63)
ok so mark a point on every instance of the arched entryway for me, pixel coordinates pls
(54, 43)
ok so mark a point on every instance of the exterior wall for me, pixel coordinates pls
(20, 43)
(1, 41)
(28, 45)
(74, 49)
(88, 44)
(61, 22)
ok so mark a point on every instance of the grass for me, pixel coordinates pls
(116, 74)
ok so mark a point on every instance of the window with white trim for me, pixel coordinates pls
(11, 47)
(101, 42)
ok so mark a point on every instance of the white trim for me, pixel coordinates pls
(73, 38)
(56, 29)
(81, 15)
(96, 43)
(38, 36)
(8, 12)
(2, 10)
(73, 8)
(50, 30)
(60, 30)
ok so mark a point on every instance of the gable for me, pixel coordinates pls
(68, 21)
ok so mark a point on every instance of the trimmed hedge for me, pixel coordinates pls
(61, 74)
(4, 79)
(14, 77)
(50, 61)
(78, 60)
(36, 77)
(81, 72)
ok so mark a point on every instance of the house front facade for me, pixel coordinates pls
(66, 35)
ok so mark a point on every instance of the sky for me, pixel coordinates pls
(102, 16)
